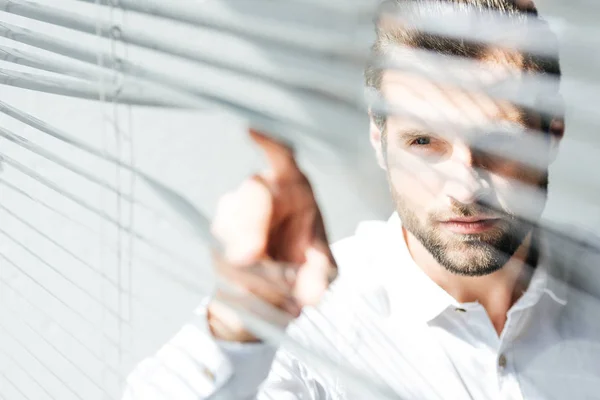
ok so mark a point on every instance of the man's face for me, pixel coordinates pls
(467, 206)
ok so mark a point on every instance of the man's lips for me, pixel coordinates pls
(469, 225)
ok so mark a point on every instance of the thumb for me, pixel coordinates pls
(313, 277)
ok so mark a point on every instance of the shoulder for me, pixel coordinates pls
(356, 278)
(354, 252)
(328, 332)
(356, 269)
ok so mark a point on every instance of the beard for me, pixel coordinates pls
(468, 254)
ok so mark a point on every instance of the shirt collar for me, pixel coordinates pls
(414, 295)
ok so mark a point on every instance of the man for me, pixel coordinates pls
(461, 294)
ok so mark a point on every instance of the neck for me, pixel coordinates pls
(496, 292)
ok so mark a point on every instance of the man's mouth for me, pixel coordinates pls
(469, 225)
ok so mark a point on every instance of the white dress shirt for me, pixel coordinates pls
(385, 319)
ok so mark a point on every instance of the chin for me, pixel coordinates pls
(472, 271)
(473, 259)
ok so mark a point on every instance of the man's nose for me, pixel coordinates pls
(464, 182)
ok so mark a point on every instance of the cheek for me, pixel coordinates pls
(517, 177)
(503, 187)
(514, 171)
(520, 194)
(415, 185)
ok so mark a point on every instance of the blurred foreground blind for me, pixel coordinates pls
(94, 274)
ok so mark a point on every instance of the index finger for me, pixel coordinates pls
(280, 156)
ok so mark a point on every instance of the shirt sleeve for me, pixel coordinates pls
(195, 366)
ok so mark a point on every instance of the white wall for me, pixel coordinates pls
(59, 330)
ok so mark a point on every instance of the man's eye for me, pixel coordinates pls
(422, 141)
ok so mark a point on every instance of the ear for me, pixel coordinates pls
(556, 131)
(375, 138)
(556, 126)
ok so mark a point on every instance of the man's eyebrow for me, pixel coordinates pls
(506, 127)
(413, 133)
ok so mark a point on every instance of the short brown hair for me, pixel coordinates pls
(389, 35)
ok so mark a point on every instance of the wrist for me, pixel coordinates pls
(225, 325)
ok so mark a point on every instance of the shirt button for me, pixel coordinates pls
(502, 361)
(461, 310)
(208, 374)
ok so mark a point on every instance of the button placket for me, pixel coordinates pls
(502, 361)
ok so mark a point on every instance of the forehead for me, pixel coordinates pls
(416, 99)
